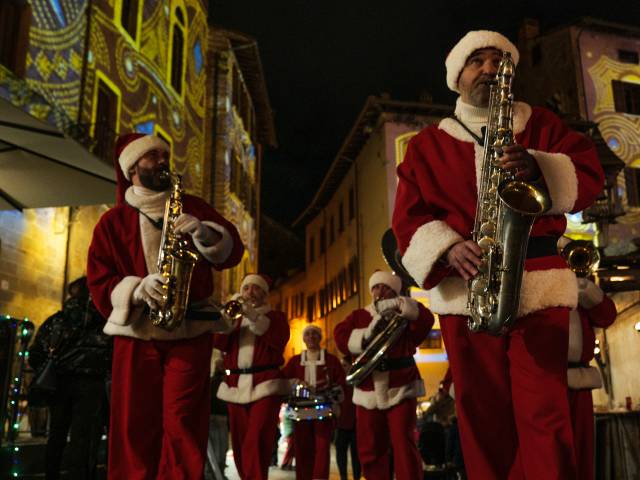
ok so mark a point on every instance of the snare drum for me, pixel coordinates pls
(305, 405)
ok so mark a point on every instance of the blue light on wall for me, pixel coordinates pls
(145, 127)
(197, 55)
(57, 8)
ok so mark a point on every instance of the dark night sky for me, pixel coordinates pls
(323, 58)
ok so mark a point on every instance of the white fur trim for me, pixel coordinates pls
(389, 279)
(468, 44)
(123, 312)
(585, 378)
(355, 340)
(254, 279)
(427, 245)
(382, 397)
(589, 294)
(575, 336)
(136, 149)
(220, 251)
(541, 289)
(245, 394)
(560, 176)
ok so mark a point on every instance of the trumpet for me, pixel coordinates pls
(582, 256)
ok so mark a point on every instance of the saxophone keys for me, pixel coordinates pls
(479, 287)
(485, 243)
(488, 229)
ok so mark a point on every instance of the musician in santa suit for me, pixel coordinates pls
(160, 379)
(508, 388)
(594, 310)
(386, 400)
(253, 353)
(320, 371)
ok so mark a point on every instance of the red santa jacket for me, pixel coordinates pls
(436, 204)
(328, 370)
(116, 265)
(595, 310)
(259, 344)
(382, 390)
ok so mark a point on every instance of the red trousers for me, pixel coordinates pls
(159, 408)
(253, 436)
(581, 404)
(511, 397)
(312, 441)
(381, 432)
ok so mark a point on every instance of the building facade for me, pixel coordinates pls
(591, 71)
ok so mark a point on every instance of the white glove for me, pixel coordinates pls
(408, 308)
(149, 291)
(186, 223)
(388, 304)
(249, 312)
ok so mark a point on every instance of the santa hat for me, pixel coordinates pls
(130, 147)
(472, 41)
(261, 281)
(389, 279)
(312, 327)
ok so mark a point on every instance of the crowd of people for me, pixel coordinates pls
(512, 406)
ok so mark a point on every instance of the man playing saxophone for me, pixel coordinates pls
(510, 389)
(160, 380)
(386, 400)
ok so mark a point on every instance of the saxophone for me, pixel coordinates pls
(505, 213)
(175, 263)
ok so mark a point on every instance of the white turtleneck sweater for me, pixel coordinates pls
(473, 117)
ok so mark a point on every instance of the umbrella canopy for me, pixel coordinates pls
(42, 167)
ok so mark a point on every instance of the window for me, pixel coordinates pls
(626, 97)
(177, 51)
(352, 204)
(323, 239)
(15, 22)
(341, 218)
(129, 17)
(312, 249)
(632, 180)
(628, 56)
(105, 121)
(311, 304)
(332, 235)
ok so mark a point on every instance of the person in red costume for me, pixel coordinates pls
(594, 310)
(386, 400)
(160, 398)
(320, 371)
(253, 350)
(510, 390)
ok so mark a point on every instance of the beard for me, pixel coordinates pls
(156, 179)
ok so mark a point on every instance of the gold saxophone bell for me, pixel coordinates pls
(582, 256)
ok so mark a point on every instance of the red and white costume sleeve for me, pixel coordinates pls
(323, 372)
(595, 309)
(383, 390)
(124, 249)
(254, 344)
(437, 196)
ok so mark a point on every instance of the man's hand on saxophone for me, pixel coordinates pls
(186, 223)
(464, 256)
(515, 157)
(149, 291)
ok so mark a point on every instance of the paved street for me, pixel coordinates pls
(275, 473)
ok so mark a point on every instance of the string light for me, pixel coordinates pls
(22, 331)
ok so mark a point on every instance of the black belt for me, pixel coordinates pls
(387, 364)
(544, 246)
(577, 365)
(257, 369)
